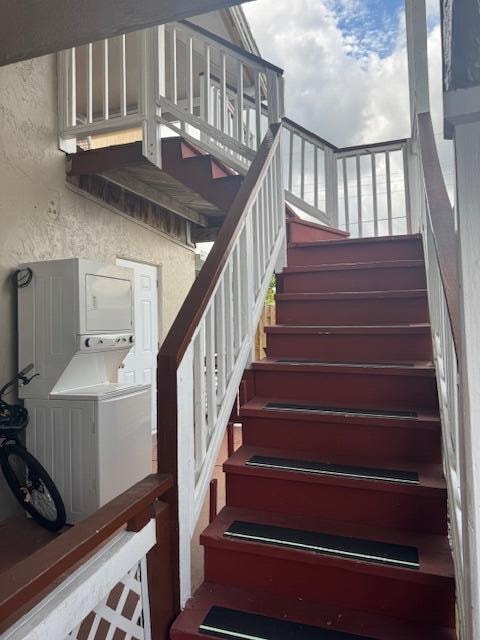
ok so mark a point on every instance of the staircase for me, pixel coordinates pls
(336, 520)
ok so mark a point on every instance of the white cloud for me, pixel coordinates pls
(334, 86)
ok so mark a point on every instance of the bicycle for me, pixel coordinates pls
(28, 480)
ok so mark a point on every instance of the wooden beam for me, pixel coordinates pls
(461, 52)
(32, 28)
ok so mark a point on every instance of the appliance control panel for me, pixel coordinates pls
(105, 342)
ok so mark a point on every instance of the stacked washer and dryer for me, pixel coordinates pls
(92, 434)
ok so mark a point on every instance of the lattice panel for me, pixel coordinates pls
(123, 614)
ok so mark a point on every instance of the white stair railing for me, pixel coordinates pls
(311, 182)
(203, 358)
(363, 189)
(439, 241)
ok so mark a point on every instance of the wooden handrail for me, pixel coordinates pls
(178, 338)
(442, 220)
(225, 44)
(25, 581)
(290, 124)
(375, 145)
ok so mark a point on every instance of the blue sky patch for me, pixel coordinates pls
(368, 26)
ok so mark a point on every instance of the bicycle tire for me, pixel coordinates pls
(39, 480)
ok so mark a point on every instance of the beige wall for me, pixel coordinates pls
(40, 218)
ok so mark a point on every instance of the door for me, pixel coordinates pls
(140, 366)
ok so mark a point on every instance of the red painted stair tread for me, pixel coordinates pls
(336, 520)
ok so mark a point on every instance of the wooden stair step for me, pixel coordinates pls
(299, 230)
(399, 494)
(333, 343)
(410, 437)
(372, 386)
(367, 276)
(329, 619)
(353, 307)
(397, 573)
(405, 247)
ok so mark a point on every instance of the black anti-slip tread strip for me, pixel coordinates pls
(285, 406)
(322, 468)
(359, 365)
(326, 543)
(232, 624)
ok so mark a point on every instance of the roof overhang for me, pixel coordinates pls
(29, 28)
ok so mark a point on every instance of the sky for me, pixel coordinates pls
(345, 64)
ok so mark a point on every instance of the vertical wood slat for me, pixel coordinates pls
(189, 73)
(290, 162)
(406, 182)
(206, 80)
(345, 194)
(273, 97)
(248, 136)
(257, 242)
(73, 87)
(199, 395)
(223, 92)
(210, 369)
(106, 103)
(239, 106)
(374, 195)
(302, 170)
(389, 193)
(261, 221)
(220, 341)
(246, 270)
(269, 206)
(123, 75)
(229, 321)
(359, 197)
(277, 181)
(331, 186)
(237, 300)
(89, 91)
(258, 109)
(173, 68)
(266, 216)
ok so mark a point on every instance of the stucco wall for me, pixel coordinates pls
(41, 218)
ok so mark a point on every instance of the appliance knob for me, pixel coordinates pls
(131, 339)
(87, 342)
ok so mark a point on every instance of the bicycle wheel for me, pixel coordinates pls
(32, 486)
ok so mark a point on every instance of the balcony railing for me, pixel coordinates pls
(179, 79)
(109, 576)
(363, 189)
(176, 78)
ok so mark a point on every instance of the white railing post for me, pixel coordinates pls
(331, 187)
(153, 85)
(275, 97)
(416, 27)
(66, 99)
(186, 468)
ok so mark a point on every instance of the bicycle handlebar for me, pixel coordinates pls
(21, 375)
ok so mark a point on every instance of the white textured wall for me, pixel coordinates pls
(40, 218)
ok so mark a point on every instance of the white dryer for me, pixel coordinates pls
(93, 434)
